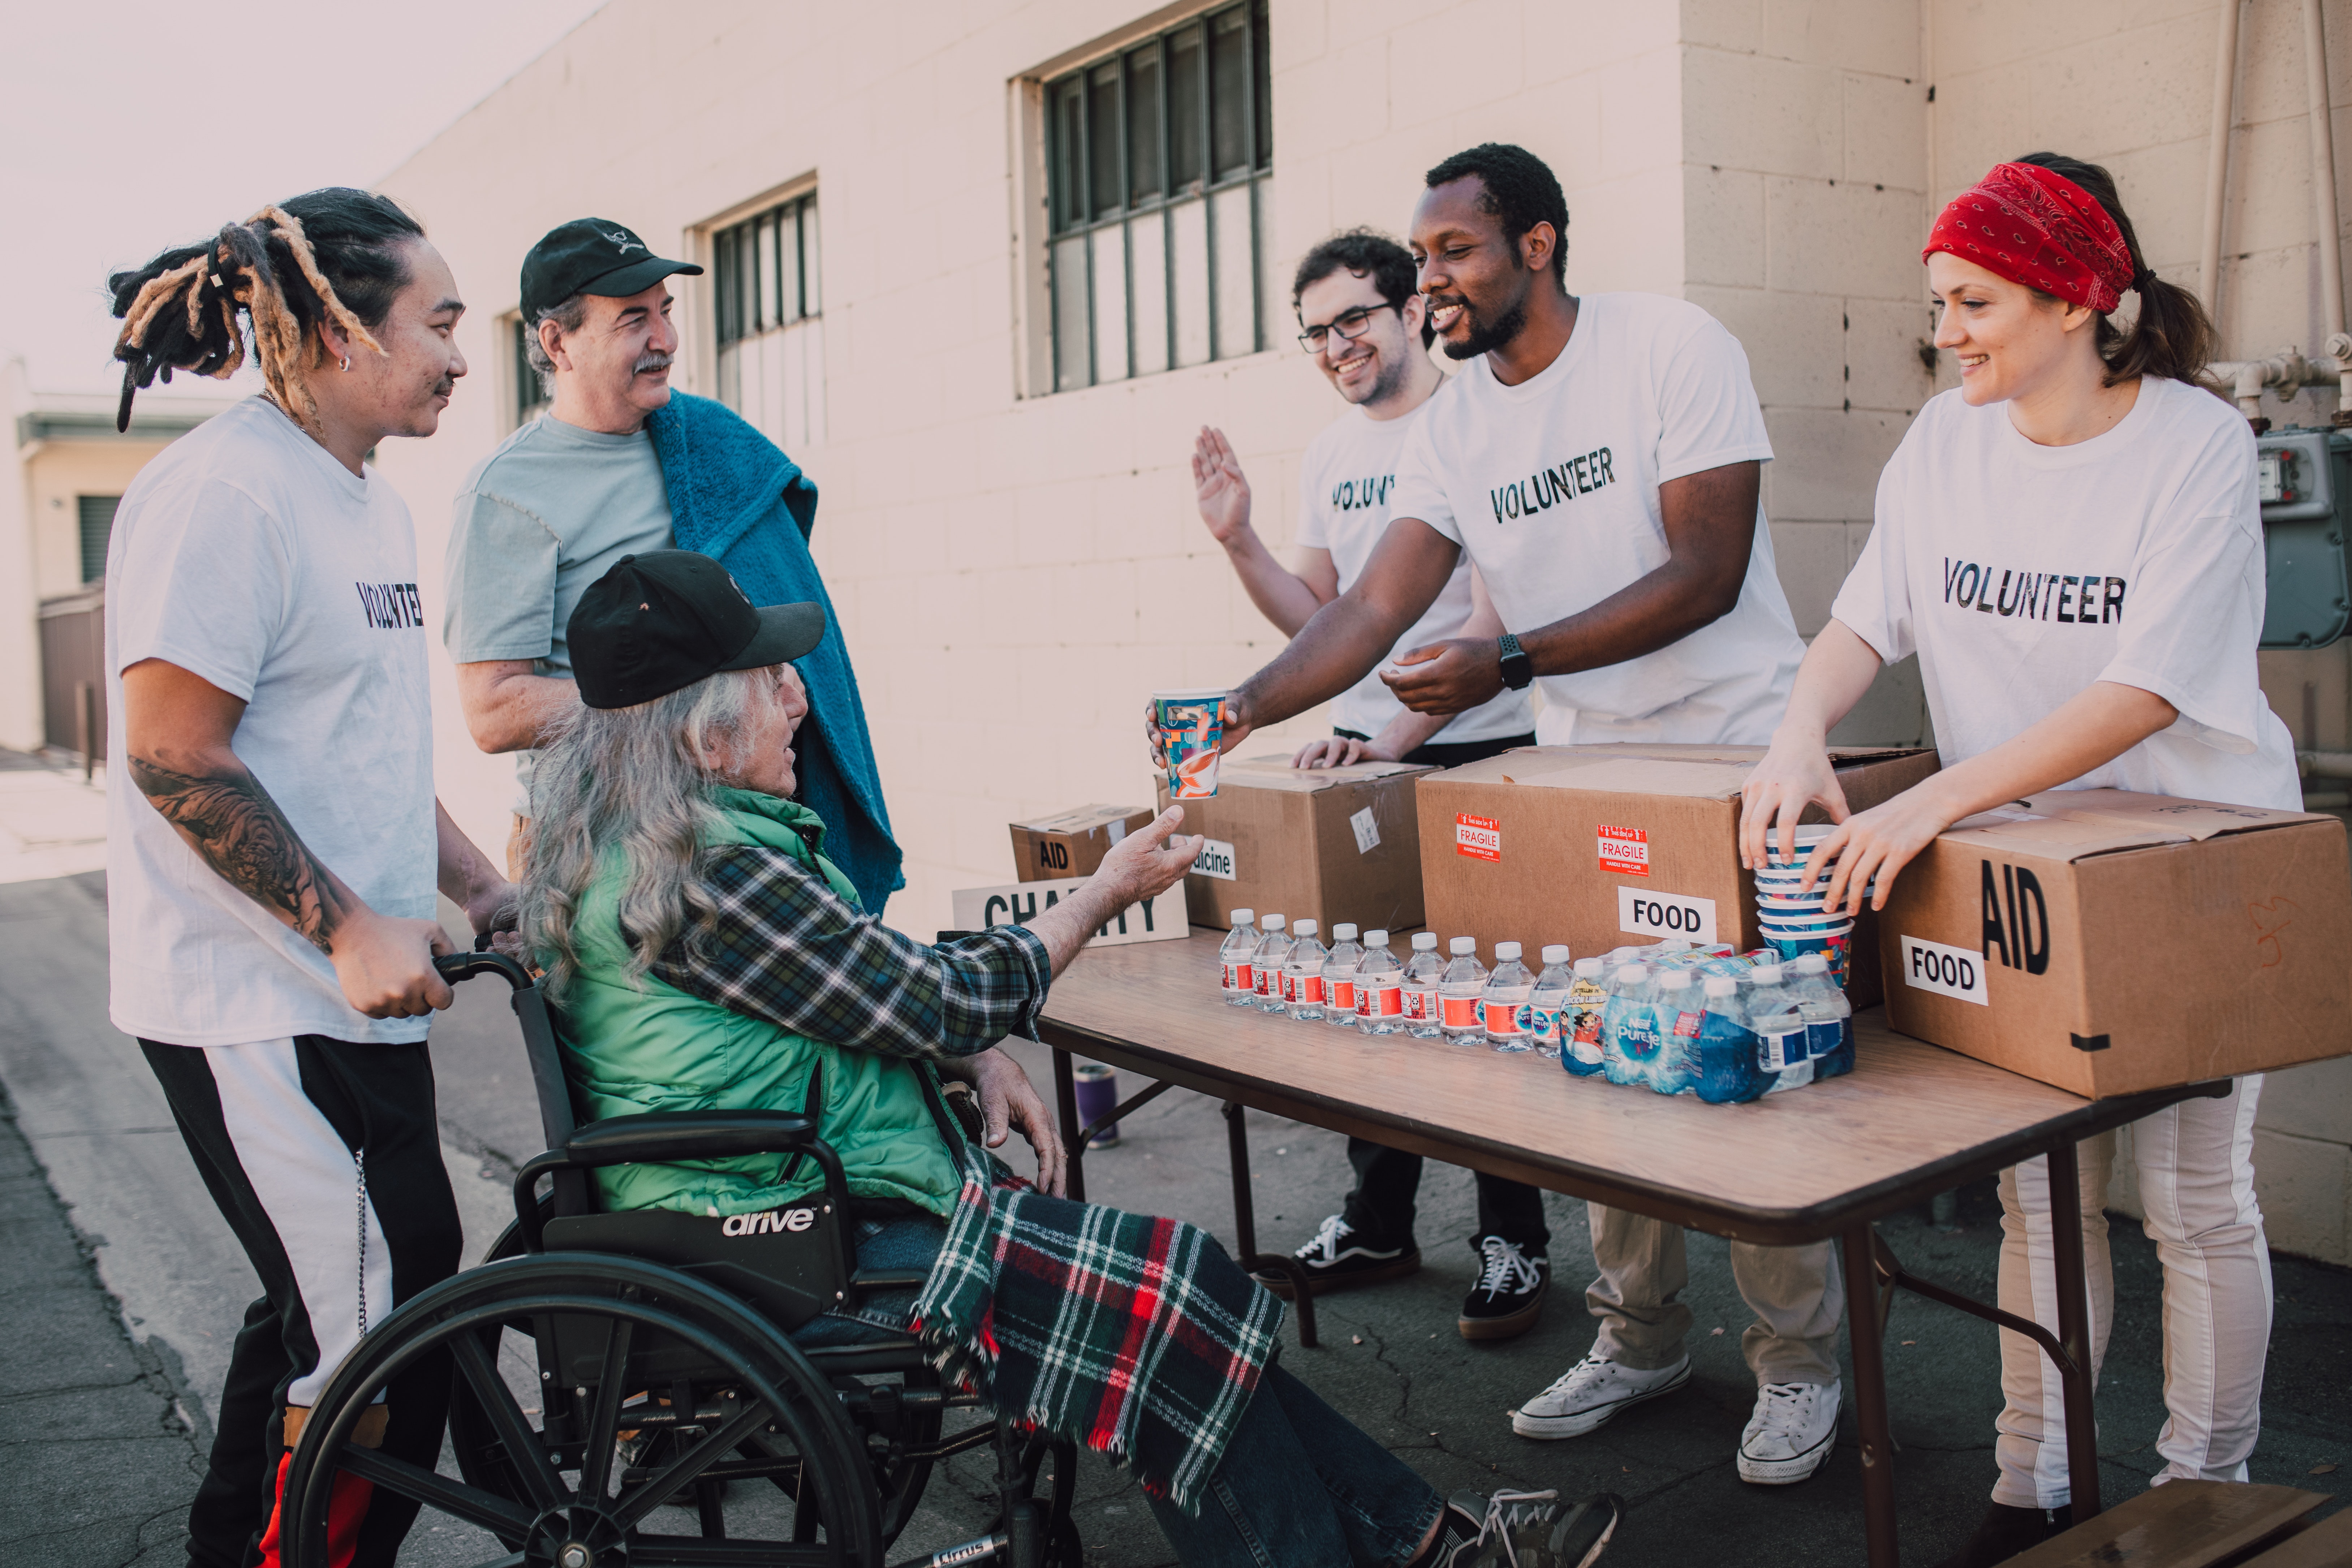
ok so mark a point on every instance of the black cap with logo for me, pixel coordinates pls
(591, 256)
(662, 619)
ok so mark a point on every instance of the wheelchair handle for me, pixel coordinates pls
(456, 966)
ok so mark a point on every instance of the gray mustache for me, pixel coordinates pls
(653, 362)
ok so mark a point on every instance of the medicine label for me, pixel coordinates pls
(1215, 859)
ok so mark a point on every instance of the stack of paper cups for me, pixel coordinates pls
(1795, 923)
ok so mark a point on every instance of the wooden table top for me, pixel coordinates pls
(1911, 1119)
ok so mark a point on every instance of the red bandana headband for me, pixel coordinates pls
(2039, 229)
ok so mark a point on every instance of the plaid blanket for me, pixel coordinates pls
(1137, 1337)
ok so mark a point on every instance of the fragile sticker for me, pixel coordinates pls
(1367, 831)
(1955, 971)
(1625, 850)
(1480, 837)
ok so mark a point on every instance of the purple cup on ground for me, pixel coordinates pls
(1098, 1095)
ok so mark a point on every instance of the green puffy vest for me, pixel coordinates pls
(639, 1045)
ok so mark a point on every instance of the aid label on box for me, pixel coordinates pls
(1664, 915)
(1625, 850)
(1480, 837)
(1955, 971)
(1215, 859)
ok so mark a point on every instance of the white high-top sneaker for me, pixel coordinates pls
(1792, 1431)
(1589, 1393)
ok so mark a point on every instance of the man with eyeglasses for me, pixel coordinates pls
(1365, 329)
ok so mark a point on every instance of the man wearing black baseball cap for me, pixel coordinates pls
(620, 464)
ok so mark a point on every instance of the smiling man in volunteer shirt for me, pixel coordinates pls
(1363, 323)
(1598, 459)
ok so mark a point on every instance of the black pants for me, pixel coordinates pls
(325, 1159)
(1381, 1208)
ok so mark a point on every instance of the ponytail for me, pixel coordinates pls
(2172, 336)
(336, 255)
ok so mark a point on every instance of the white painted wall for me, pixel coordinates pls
(1014, 573)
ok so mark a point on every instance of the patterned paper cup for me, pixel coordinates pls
(1192, 723)
(1837, 947)
(1804, 924)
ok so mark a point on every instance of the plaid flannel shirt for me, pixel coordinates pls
(791, 950)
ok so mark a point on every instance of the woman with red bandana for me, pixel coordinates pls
(2071, 543)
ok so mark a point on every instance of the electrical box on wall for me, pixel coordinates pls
(2305, 486)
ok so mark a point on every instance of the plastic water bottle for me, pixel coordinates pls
(1782, 1050)
(1272, 951)
(1682, 1019)
(1302, 973)
(1379, 997)
(1507, 989)
(1629, 1025)
(1339, 976)
(1728, 1072)
(1580, 1017)
(1237, 956)
(1539, 1015)
(1458, 992)
(1417, 987)
(1829, 1016)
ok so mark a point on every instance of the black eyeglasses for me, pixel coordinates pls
(1348, 326)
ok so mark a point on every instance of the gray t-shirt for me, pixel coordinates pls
(538, 521)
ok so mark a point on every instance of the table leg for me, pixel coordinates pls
(2075, 1331)
(1246, 1227)
(1866, 1334)
(1066, 1107)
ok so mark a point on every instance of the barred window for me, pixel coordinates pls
(530, 393)
(1159, 165)
(766, 283)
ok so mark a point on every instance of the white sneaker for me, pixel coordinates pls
(1592, 1392)
(1793, 1430)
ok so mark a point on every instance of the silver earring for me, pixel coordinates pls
(347, 364)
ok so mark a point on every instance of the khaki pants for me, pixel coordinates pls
(2196, 1167)
(1797, 1294)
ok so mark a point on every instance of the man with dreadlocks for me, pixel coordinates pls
(270, 883)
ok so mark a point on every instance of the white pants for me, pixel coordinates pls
(2196, 1183)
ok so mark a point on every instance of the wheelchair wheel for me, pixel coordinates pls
(618, 1346)
(899, 1480)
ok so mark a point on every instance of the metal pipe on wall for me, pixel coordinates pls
(2217, 157)
(2323, 169)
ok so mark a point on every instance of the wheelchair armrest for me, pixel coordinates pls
(673, 1137)
(665, 1137)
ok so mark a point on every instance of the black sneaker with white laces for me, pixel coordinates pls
(1509, 1295)
(1524, 1529)
(1335, 1259)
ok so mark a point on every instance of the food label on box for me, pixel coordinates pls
(1367, 831)
(1625, 850)
(1664, 914)
(1946, 971)
(1215, 859)
(1480, 837)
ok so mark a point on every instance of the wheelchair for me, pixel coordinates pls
(663, 1380)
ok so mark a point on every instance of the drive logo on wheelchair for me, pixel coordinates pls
(763, 1224)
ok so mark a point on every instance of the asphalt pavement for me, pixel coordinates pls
(123, 1288)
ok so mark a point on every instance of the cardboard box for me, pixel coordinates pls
(1330, 844)
(2108, 942)
(1603, 846)
(1071, 843)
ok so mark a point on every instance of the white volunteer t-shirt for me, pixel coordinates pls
(1343, 507)
(1551, 488)
(2020, 573)
(247, 555)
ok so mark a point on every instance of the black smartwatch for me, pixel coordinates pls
(1519, 668)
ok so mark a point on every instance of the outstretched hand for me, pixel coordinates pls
(1233, 716)
(1148, 862)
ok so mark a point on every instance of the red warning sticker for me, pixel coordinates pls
(1480, 837)
(1625, 850)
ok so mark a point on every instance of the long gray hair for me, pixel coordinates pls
(628, 781)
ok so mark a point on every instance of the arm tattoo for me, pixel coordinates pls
(242, 834)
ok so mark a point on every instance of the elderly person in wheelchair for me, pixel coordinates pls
(708, 961)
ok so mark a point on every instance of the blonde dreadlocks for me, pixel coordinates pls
(335, 254)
